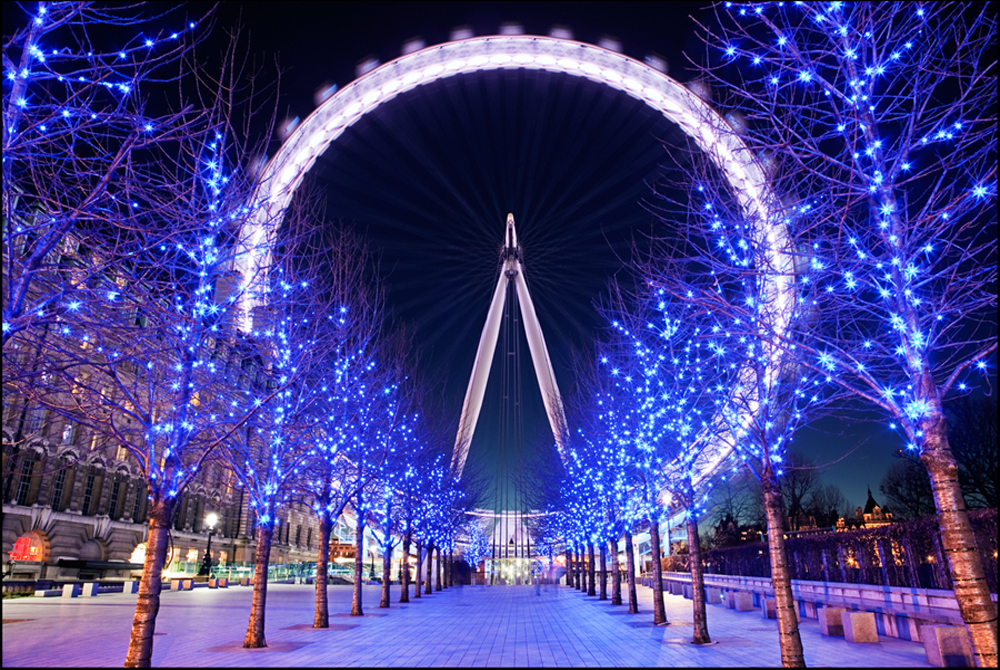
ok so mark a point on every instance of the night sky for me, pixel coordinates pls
(430, 176)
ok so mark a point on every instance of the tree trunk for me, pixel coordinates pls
(571, 569)
(579, 565)
(591, 568)
(697, 581)
(604, 573)
(569, 566)
(404, 571)
(359, 567)
(616, 574)
(438, 570)
(633, 598)
(386, 574)
(958, 542)
(788, 623)
(450, 575)
(420, 569)
(659, 607)
(430, 568)
(255, 627)
(446, 569)
(322, 617)
(140, 646)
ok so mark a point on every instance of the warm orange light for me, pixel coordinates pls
(25, 550)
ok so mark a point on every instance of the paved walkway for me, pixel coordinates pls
(461, 626)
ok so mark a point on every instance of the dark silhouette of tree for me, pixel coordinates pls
(972, 434)
(827, 504)
(798, 486)
(907, 489)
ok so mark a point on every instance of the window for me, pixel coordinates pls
(113, 505)
(309, 538)
(88, 494)
(180, 512)
(137, 507)
(69, 430)
(298, 535)
(34, 421)
(57, 489)
(24, 484)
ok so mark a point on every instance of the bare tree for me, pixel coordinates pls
(878, 123)
(386, 494)
(296, 333)
(725, 303)
(972, 434)
(330, 479)
(122, 212)
(80, 143)
(907, 488)
(797, 488)
(827, 504)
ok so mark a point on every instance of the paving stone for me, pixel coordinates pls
(460, 626)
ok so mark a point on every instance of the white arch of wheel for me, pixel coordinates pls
(285, 171)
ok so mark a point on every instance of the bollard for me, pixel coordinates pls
(830, 622)
(947, 646)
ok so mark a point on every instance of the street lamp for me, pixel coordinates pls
(206, 565)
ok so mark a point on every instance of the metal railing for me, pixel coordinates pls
(274, 572)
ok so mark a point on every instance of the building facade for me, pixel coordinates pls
(65, 500)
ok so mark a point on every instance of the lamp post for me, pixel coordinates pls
(206, 565)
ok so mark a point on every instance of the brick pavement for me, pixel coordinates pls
(461, 626)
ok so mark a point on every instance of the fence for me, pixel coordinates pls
(280, 571)
(897, 554)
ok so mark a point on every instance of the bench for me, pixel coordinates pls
(768, 608)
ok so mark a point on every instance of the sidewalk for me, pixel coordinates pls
(461, 626)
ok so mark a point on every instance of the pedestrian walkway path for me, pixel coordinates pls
(461, 626)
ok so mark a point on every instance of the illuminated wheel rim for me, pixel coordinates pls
(285, 171)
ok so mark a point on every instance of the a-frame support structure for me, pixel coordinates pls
(511, 270)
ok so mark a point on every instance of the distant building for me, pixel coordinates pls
(869, 516)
